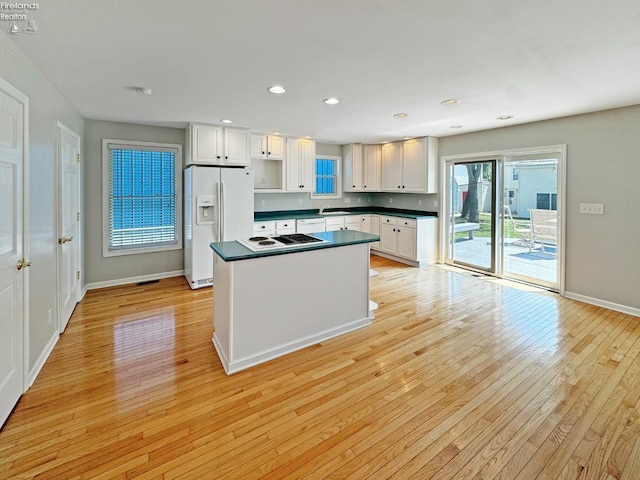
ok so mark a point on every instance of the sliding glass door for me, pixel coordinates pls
(471, 212)
(504, 215)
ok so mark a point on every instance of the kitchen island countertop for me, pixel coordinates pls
(233, 251)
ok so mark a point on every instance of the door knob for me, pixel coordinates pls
(63, 240)
(22, 264)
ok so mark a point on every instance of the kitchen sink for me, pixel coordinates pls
(340, 212)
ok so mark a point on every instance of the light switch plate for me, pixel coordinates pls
(592, 208)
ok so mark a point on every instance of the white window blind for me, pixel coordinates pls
(143, 200)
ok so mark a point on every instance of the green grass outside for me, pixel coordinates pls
(485, 227)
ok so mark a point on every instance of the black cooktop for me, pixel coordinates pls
(296, 239)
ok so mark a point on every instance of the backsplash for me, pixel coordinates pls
(268, 202)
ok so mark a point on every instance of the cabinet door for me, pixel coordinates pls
(371, 168)
(352, 170)
(206, 144)
(391, 162)
(293, 165)
(258, 146)
(365, 223)
(275, 147)
(236, 147)
(307, 164)
(406, 246)
(414, 166)
(375, 229)
(388, 238)
(353, 223)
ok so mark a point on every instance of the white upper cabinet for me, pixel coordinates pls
(352, 168)
(267, 146)
(410, 166)
(361, 170)
(371, 168)
(392, 167)
(300, 160)
(216, 145)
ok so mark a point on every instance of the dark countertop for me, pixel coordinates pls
(232, 251)
(299, 214)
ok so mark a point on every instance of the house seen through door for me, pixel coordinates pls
(504, 215)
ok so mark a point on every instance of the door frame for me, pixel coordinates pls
(24, 100)
(61, 126)
(560, 150)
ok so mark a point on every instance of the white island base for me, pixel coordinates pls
(268, 306)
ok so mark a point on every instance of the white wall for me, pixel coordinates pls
(603, 166)
(102, 270)
(46, 107)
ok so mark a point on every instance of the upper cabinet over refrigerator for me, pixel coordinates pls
(216, 145)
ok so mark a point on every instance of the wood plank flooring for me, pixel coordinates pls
(457, 378)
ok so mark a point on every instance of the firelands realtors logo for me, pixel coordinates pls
(19, 16)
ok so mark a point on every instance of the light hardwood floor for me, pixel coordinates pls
(457, 378)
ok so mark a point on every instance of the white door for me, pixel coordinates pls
(13, 281)
(68, 154)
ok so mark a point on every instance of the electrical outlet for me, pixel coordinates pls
(262, 203)
(435, 203)
(368, 199)
(419, 202)
(347, 200)
(299, 201)
(49, 315)
(359, 199)
(262, 181)
(390, 200)
(592, 208)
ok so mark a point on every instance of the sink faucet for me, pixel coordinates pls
(322, 209)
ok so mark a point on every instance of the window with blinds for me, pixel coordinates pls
(327, 177)
(143, 197)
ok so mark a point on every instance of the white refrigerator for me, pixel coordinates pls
(218, 207)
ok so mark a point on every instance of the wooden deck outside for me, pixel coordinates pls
(457, 378)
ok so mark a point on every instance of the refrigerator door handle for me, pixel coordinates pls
(221, 197)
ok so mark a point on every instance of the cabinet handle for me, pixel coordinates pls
(263, 226)
(398, 186)
(218, 157)
(353, 186)
(365, 186)
(402, 186)
(269, 153)
(263, 153)
(226, 158)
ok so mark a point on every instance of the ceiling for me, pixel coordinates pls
(208, 60)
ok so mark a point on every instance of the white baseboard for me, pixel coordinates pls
(125, 281)
(35, 371)
(603, 303)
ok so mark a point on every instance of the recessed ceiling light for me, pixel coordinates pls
(401, 115)
(455, 126)
(226, 120)
(331, 101)
(277, 89)
(505, 117)
(406, 138)
(450, 101)
(144, 91)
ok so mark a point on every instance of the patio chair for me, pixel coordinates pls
(544, 227)
(524, 230)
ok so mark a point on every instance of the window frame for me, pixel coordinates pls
(140, 145)
(338, 176)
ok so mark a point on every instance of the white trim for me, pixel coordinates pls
(174, 147)
(44, 355)
(603, 303)
(125, 281)
(280, 350)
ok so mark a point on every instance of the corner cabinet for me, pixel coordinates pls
(300, 160)
(216, 145)
(410, 166)
(361, 168)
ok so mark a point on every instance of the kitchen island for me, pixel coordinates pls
(270, 303)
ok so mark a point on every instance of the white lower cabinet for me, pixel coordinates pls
(271, 227)
(408, 239)
(350, 222)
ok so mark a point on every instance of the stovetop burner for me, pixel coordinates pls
(260, 243)
(258, 239)
(266, 242)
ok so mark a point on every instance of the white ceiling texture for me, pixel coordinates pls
(208, 60)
